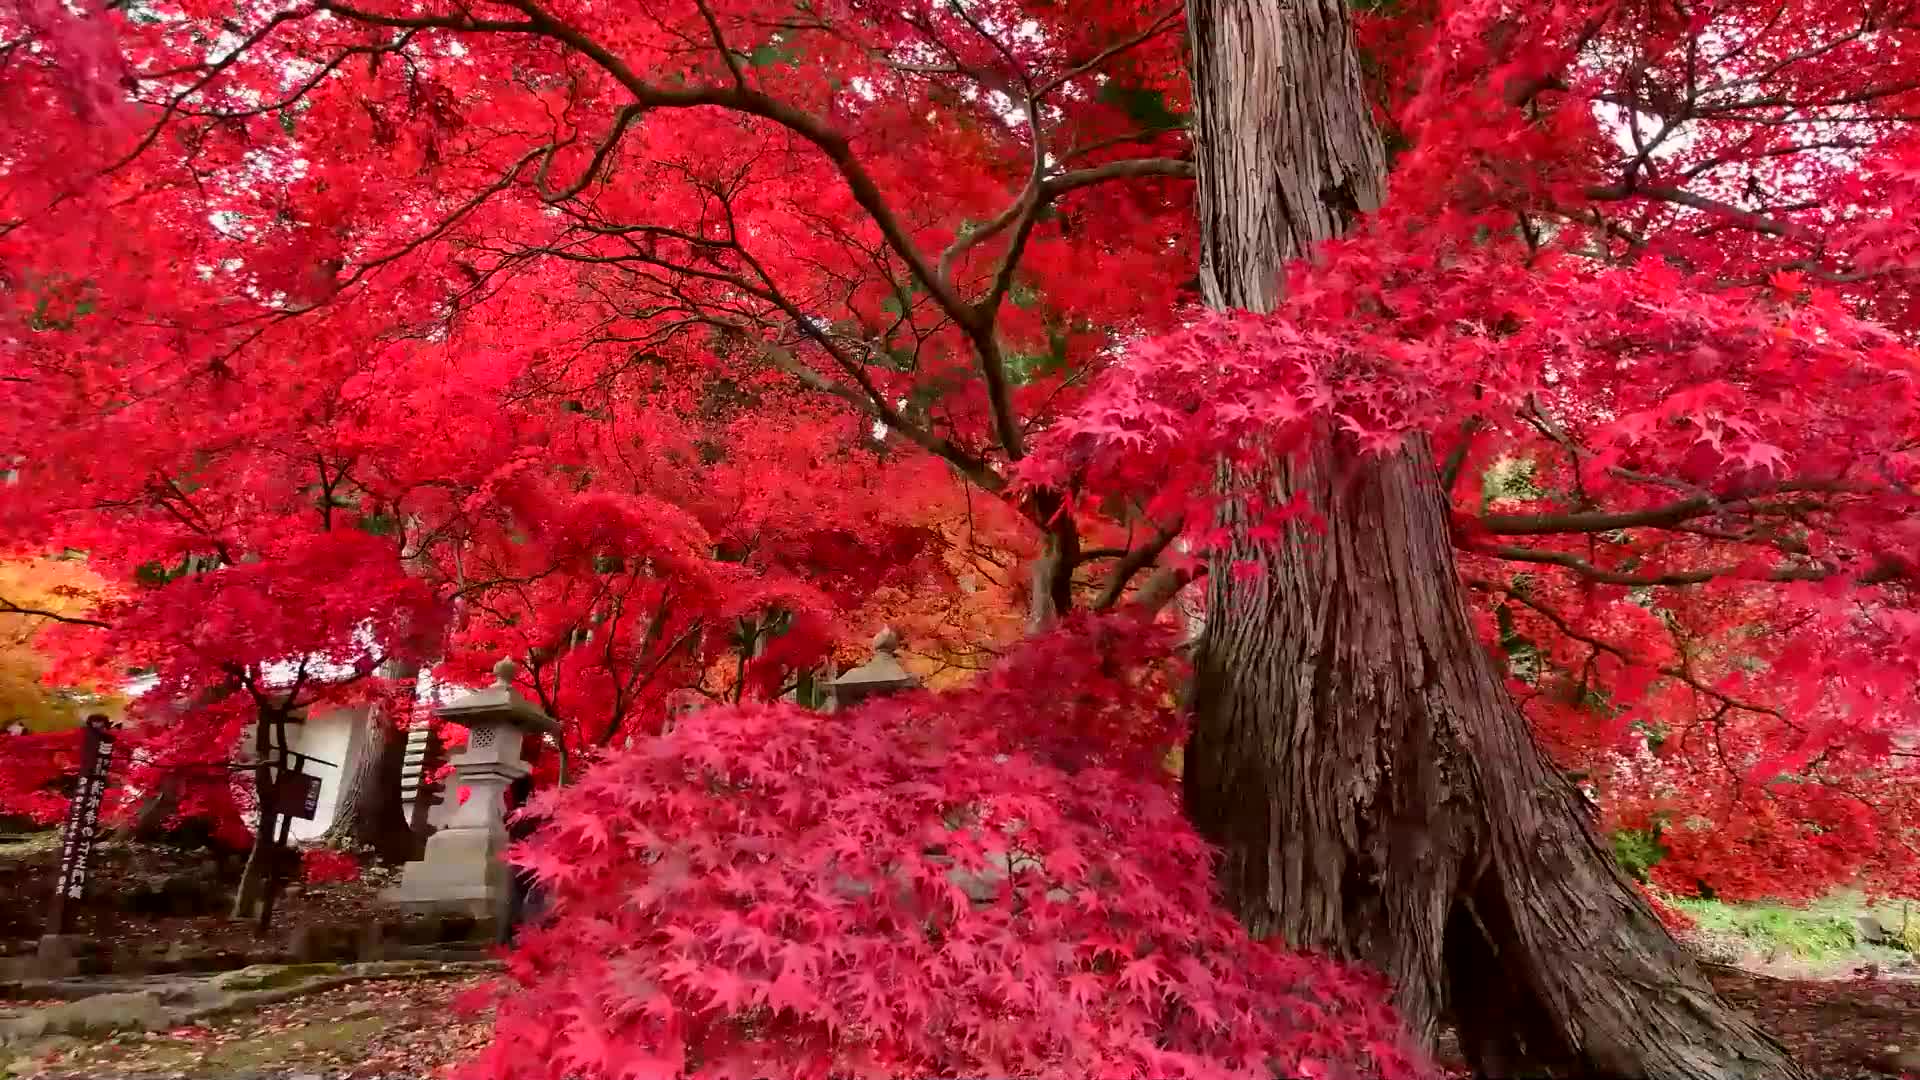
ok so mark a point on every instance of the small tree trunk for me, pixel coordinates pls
(1051, 580)
(253, 877)
(1375, 790)
(156, 809)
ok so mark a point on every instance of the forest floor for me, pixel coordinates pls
(1797, 983)
(422, 1030)
(392, 1030)
(1840, 1028)
(152, 899)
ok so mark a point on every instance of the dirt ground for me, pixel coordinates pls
(398, 1030)
(413, 1030)
(1851, 1028)
(149, 898)
(421, 1030)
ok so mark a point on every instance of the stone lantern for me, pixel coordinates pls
(462, 870)
(878, 677)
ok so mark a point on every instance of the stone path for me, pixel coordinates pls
(385, 1024)
(106, 1004)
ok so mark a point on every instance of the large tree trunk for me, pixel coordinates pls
(1376, 791)
(367, 812)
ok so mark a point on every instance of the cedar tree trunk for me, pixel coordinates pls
(1375, 790)
(367, 812)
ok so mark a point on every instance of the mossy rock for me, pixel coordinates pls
(273, 976)
(389, 968)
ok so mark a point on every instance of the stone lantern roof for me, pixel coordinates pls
(499, 703)
(878, 676)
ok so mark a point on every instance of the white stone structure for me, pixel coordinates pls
(332, 739)
(463, 870)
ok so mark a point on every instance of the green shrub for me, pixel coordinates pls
(1638, 850)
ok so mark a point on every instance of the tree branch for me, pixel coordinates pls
(1665, 515)
(1132, 563)
(1880, 573)
(1565, 627)
(8, 607)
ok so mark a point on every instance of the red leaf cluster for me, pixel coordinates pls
(322, 866)
(921, 886)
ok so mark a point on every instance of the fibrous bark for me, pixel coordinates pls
(1375, 790)
(368, 811)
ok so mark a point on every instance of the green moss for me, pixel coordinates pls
(257, 1054)
(31, 846)
(1818, 933)
(274, 976)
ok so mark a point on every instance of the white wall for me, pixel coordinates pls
(331, 737)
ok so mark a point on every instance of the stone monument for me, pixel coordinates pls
(877, 677)
(462, 870)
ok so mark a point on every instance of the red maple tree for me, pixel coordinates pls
(1625, 353)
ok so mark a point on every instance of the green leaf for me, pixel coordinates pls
(1638, 850)
(1148, 108)
(773, 52)
(892, 306)
(923, 394)
(381, 524)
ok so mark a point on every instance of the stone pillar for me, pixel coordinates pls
(462, 870)
(877, 677)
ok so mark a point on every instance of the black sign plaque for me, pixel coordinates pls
(82, 826)
(297, 796)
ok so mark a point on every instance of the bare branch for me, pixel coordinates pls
(1666, 515)
(1132, 563)
(8, 607)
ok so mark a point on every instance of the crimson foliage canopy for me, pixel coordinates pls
(622, 337)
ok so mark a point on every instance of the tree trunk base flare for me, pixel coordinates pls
(1377, 793)
(368, 813)
(1379, 796)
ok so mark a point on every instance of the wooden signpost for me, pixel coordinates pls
(296, 797)
(82, 826)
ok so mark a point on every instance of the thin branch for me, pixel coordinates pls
(8, 607)
(621, 121)
(1562, 624)
(1879, 574)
